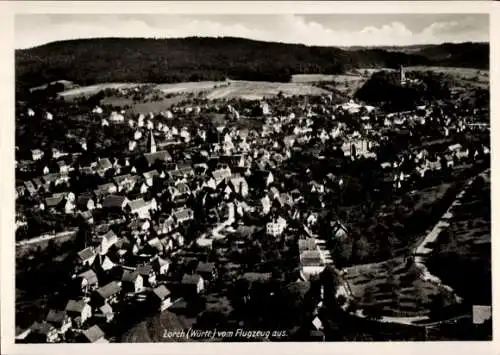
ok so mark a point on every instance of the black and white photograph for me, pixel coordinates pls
(271, 177)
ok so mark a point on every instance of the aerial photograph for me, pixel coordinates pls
(252, 178)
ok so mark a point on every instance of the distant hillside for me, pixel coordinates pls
(91, 61)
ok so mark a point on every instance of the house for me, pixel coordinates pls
(108, 240)
(239, 185)
(192, 284)
(150, 176)
(183, 215)
(115, 202)
(148, 274)
(104, 189)
(30, 187)
(63, 167)
(160, 266)
(55, 202)
(151, 158)
(125, 182)
(93, 334)
(307, 244)
(88, 281)
(142, 208)
(44, 332)
(86, 256)
(311, 263)
(132, 281)
(106, 312)
(276, 226)
(339, 230)
(85, 202)
(266, 204)
(79, 311)
(107, 293)
(59, 320)
(103, 165)
(206, 270)
(87, 216)
(37, 154)
(161, 296)
(221, 174)
(263, 178)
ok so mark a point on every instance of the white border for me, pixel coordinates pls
(7, 11)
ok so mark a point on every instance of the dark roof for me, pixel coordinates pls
(109, 290)
(113, 201)
(93, 333)
(162, 292)
(191, 279)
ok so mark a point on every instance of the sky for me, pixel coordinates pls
(323, 29)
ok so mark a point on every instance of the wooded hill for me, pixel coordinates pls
(90, 61)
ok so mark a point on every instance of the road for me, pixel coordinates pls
(46, 237)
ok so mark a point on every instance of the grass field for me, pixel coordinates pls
(250, 90)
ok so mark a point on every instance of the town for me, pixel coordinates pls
(312, 216)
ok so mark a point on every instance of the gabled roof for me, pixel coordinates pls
(113, 201)
(162, 155)
(137, 204)
(151, 174)
(75, 306)
(185, 213)
(130, 276)
(93, 333)
(104, 164)
(161, 292)
(90, 276)
(109, 290)
(54, 201)
(86, 253)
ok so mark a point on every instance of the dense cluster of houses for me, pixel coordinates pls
(157, 196)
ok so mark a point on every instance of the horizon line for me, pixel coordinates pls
(251, 39)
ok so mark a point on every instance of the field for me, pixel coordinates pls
(393, 288)
(470, 76)
(250, 90)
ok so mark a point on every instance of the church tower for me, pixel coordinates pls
(152, 143)
(402, 75)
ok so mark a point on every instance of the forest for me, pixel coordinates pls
(90, 61)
